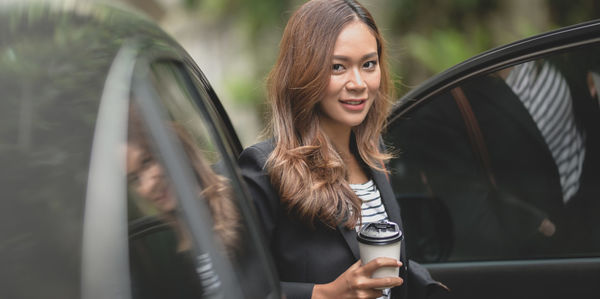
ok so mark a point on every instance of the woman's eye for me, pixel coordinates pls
(370, 64)
(133, 179)
(337, 67)
(147, 161)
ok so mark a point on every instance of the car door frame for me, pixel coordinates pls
(104, 255)
(226, 141)
(542, 278)
(232, 149)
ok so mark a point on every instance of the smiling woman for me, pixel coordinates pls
(354, 81)
(315, 182)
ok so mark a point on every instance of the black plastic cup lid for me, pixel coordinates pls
(379, 233)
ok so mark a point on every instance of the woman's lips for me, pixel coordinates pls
(354, 104)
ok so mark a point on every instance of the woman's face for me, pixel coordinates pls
(354, 81)
(146, 176)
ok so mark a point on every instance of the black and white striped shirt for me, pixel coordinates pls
(546, 95)
(372, 210)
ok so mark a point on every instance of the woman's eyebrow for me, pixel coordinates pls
(346, 58)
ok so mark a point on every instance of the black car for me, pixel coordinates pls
(497, 169)
(119, 177)
(118, 164)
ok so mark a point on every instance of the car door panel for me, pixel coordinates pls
(500, 194)
(556, 278)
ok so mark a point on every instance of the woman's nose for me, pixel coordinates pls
(151, 178)
(356, 81)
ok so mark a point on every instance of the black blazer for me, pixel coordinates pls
(305, 256)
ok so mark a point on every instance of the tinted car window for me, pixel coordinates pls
(162, 261)
(38, 213)
(505, 167)
(217, 186)
(44, 169)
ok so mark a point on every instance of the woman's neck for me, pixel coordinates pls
(340, 138)
(341, 141)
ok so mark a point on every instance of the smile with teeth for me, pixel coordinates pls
(352, 102)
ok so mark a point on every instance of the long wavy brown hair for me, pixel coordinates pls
(304, 167)
(216, 189)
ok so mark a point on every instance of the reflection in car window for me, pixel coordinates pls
(161, 257)
(215, 185)
(512, 173)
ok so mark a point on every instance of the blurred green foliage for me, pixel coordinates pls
(443, 48)
(253, 15)
(424, 36)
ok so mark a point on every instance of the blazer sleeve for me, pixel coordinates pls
(252, 163)
(421, 284)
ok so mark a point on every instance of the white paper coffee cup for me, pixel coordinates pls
(380, 239)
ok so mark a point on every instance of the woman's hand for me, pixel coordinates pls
(356, 282)
(547, 228)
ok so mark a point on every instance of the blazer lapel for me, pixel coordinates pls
(389, 201)
(391, 207)
(387, 196)
(350, 238)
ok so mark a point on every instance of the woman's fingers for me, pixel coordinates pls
(356, 281)
(386, 282)
(379, 262)
(364, 281)
(367, 283)
(371, 293)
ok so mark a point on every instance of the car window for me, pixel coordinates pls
(44, 173)
(162, 261)
(504, 166)
(164, 239)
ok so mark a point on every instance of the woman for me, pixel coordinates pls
(329, 92)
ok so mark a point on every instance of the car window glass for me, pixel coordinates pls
(44, 170)
(161, 258)
(217, 184)
(505, 166)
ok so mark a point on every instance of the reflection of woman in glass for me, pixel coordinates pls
(322, 175)
(162, 261)
(146, 177)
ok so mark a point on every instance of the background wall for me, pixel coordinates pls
(235, 41)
